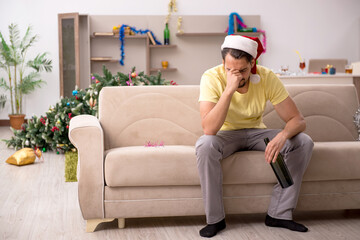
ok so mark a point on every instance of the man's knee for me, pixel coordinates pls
(305, 141)
(207, 144)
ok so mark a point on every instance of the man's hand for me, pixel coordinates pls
(274, 147)
(295, 124)
(233, 80)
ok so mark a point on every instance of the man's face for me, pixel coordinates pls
(241, 66)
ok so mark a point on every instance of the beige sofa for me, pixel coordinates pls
(120, 178)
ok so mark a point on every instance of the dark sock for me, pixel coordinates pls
(212, 229)
(289, 224)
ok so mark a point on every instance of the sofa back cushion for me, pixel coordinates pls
(133, 116)
(328, 110)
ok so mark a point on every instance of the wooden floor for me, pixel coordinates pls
(36, 203)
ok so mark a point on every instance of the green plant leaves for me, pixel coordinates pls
(23, 75)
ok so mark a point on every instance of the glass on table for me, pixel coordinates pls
(348, 69)
(302, 65)
(284, 69)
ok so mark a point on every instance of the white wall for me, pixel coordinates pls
(318, 29)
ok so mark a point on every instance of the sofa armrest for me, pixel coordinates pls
(86, 134)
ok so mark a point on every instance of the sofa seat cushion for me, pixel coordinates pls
(151, 166)
(177, 166)
(334, 161)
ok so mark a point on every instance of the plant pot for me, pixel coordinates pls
(16, 120)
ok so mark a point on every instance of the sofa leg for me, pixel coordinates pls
(91, 224)
(121, 222)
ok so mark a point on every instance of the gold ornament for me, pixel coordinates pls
(24, 156)
(92, 102)
(179, 22)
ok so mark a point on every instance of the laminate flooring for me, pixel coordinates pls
(37, 203)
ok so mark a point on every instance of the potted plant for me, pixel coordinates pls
(23, 76)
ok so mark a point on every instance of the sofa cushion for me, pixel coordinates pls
(132, 116)
(334, 161)
(151, 166)
(176, 165)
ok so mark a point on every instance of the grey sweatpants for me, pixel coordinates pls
(211, 149)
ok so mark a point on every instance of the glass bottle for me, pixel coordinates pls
(166, 35)
(280, 169)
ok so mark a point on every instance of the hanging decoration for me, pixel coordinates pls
(242, 27)
(171, 8)
(122, 41)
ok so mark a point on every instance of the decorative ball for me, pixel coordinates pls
(97, 81)
(133, 74)
(68, 104)
(74, 92)
(57, 152)
(44, 149)
(27, 142)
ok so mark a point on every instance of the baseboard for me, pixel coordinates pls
(4, 123)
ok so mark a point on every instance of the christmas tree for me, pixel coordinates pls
(50, 132)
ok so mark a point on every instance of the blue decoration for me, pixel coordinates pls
(68, 104)
(231, 22)
(74, 92)
(122, 35)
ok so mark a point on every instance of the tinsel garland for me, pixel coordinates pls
(240, 21)
(122, 36)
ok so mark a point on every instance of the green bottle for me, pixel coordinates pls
(280, 169)
(166, 35)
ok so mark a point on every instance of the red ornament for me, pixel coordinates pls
(77, 98)
(133, 74)
(69, 114)
(42, 120)
(67, 126)
(55, 129)
(97, 81)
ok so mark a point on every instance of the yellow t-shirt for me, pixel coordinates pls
(245, 110)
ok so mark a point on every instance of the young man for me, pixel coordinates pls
(232, 99)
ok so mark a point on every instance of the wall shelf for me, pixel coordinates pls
(103, 59)
(148, 46)
(214, 34)
(162, 46)
(163, 70)
(116, 36)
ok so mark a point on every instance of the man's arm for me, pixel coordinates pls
(295, 124)
(213, 114)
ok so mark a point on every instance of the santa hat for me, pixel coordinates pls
(250, 45)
